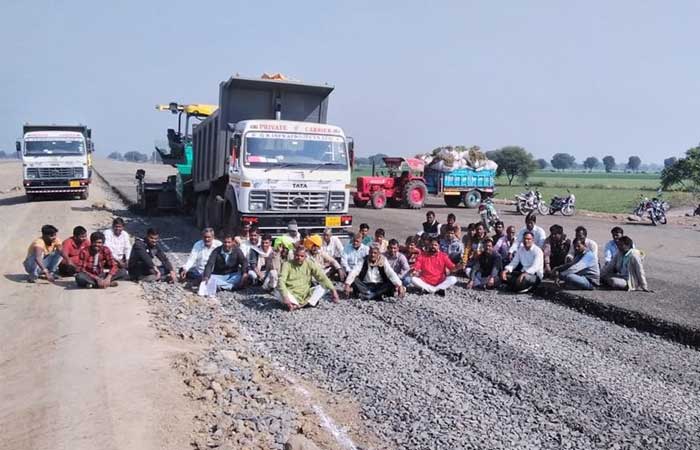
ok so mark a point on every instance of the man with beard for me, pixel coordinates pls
(330, 266)
(70, 250)
(431, 270)
(96, 267)
(227, 266)
(582, 272)
(374, 278)
(486, 268)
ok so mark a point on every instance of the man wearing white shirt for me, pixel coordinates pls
(331, 245)
(538, 233)
(374, 278)
(526, 269)
(118, 242)
(610, 249)
(591, 245)
(197, 261)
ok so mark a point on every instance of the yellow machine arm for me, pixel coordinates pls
(195, 109)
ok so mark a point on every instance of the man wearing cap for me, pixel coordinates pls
(331, 245)
(329, 265)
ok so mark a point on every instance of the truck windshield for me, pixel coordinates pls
(294, 150)
(54, 147)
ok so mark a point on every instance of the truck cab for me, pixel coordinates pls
(56, 160)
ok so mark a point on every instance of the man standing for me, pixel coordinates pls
(43, 255)
(625, 271)
(555, 249)
(331, 245)
(583, 271)
(398, 262)
(193, 269)
(375, 278)
(96, 267)
(118, 242)
(527, 266)
(70, 250)
(354, 253)
(582, 233)
(431, 270)
(486, 268)
(431, 226)
(451, 244)
(295, 283)
(610, 249)
(142, 266)
(538, 234)
(227, 266)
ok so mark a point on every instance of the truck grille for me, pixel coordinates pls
(299, 200)
(55, 172)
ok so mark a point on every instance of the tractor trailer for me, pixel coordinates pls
(266, 156)
(56, 159)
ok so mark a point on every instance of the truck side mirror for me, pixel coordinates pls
(18, 146)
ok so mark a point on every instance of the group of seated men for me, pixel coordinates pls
(300, 269)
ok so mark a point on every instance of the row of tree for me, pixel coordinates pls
(134, 156)
(565, 161)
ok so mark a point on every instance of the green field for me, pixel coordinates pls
(615, 192)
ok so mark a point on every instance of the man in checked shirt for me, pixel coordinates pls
(96, 266)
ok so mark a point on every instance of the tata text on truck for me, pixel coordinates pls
(267, 156)
(56, 159)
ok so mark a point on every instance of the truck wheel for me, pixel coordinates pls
(414, 194)
(472, 199)
(452, 201)
(378, 200)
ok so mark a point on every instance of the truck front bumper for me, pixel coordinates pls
(311, 223)
(56, 186)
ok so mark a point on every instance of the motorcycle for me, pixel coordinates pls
(488, 213)
(567, 205)
(531, 201)
(655, 209)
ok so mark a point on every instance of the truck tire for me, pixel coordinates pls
(452, 201)
(472, 199)
(379, 200)
(414, 193)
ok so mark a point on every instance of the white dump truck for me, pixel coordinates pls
(56, 159)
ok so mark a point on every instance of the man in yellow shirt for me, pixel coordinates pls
(43, 255)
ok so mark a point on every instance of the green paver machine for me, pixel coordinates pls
(173, 194)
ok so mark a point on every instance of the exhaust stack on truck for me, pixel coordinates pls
(266, 156)
(56, 159)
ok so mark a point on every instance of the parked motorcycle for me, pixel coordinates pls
(567, 205)
(488, 213)
(530, 201)
(655, 209)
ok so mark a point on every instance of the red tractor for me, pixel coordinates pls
(404, 186)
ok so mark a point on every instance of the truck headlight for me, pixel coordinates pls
(257, 206)
(336, 206)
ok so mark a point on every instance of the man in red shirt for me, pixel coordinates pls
(96, 267)
(430, 273)
(71, 249)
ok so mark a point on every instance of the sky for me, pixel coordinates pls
(590, 78)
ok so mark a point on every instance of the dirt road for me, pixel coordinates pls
(79, 369)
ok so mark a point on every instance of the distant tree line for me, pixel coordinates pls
(134, 156)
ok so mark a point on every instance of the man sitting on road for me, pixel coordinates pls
(583, 272)
(525, 270)
(582, 233)
(227, 266)
(451, 221)
(499, 231)
(293, 231)
(142, 266)
(504, 244)
(295, 284)
(257, 271)
(451, 244)
(332, 246)
(252, 252)
(555, 249)
(610, 249)
(354, 253)
(431, 270)
(330, 266)
(70, 250)
(411, 250)
(431, 226)
(375, 278)
(96, 267)
(625, 271)
(380, 239)
(193, 269)
(398, 262)
(273, 262)
(486, 268)
(118, 241)
(364, 234)
(538, 234)
(43, 255)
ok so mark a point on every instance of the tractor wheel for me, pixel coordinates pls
(359, 203)
(414, 193)
(472, 199)
(379, 200)
(453, 201)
